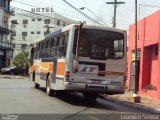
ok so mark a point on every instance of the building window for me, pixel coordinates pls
(24, 34)
(45, 33)
(32, 32)
(13, 33)
(47, 21)
(33, 19)
(64, 24)
(2, 3)
(14, 21)
(31, 45)
(25, 21)
(58, 22)
(23, 46)
(39, 19)
(38, 32)
(13, 45)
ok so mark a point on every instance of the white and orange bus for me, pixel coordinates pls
(83, 58)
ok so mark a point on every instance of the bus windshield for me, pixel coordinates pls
(100, 44)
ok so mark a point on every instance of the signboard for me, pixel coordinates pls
(88, 69)
(138, 55)
(9, 53)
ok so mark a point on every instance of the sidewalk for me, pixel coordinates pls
(147, 104)
(13, 76)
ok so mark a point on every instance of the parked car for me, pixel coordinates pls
(13, 70)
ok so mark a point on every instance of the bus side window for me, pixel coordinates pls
(46, 49)
(41, 50)
(53, 49)
(62, 39)
(38, 50)
(59, 50)
(56, 41)
(35, 52)
(52, 42)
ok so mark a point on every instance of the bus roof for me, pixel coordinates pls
(58, 31)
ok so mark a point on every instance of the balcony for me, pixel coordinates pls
(4, 28)
(8, 10)
(5, 45)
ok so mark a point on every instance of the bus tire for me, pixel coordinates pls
(37, 85)
(49, 91)
(89, 96)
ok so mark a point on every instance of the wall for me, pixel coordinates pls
(148, 38)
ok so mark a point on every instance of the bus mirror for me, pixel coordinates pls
(75, 66)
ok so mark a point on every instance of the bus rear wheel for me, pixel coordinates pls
(89, 96)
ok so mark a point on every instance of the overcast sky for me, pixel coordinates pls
(125, 12)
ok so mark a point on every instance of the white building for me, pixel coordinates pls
(33, 26)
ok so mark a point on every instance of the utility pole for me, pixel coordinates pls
(47, 27)
(115, 4)
(136, 96)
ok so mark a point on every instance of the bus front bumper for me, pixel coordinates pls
(99, 88)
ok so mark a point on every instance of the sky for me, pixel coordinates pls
(95, 9)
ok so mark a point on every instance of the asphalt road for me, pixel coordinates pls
(18, 96)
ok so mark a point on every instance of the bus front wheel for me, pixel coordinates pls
(49, 91)
(36, 85)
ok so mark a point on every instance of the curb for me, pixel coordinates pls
(11, 77)
(140, 107)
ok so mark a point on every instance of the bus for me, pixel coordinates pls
(80, 58)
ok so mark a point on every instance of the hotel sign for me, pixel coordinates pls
(42, 10)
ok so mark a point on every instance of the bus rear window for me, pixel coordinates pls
(100, 44)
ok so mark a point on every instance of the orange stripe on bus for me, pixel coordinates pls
(47, 67)
(60, 68)
(110, 73)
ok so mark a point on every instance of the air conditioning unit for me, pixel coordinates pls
(23, 37)
(24, 25)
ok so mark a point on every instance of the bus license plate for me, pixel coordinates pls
(95, 81)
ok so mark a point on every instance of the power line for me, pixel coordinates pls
(82, 13)
(38, 6)
(71, 14)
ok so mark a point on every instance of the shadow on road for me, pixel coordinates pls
(76, 99)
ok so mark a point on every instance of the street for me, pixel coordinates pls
(18, 96)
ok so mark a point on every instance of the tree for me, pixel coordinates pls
(21, 60)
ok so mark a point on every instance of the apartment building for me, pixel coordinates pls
(5, 45)
(29, 27)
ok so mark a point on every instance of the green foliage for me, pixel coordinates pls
(21, 60)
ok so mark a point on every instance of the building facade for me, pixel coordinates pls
(30, 27)
(5, 45)
(148, 56)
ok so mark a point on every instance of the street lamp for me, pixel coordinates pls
(47, 27)
(82, 8)
(12, 22)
